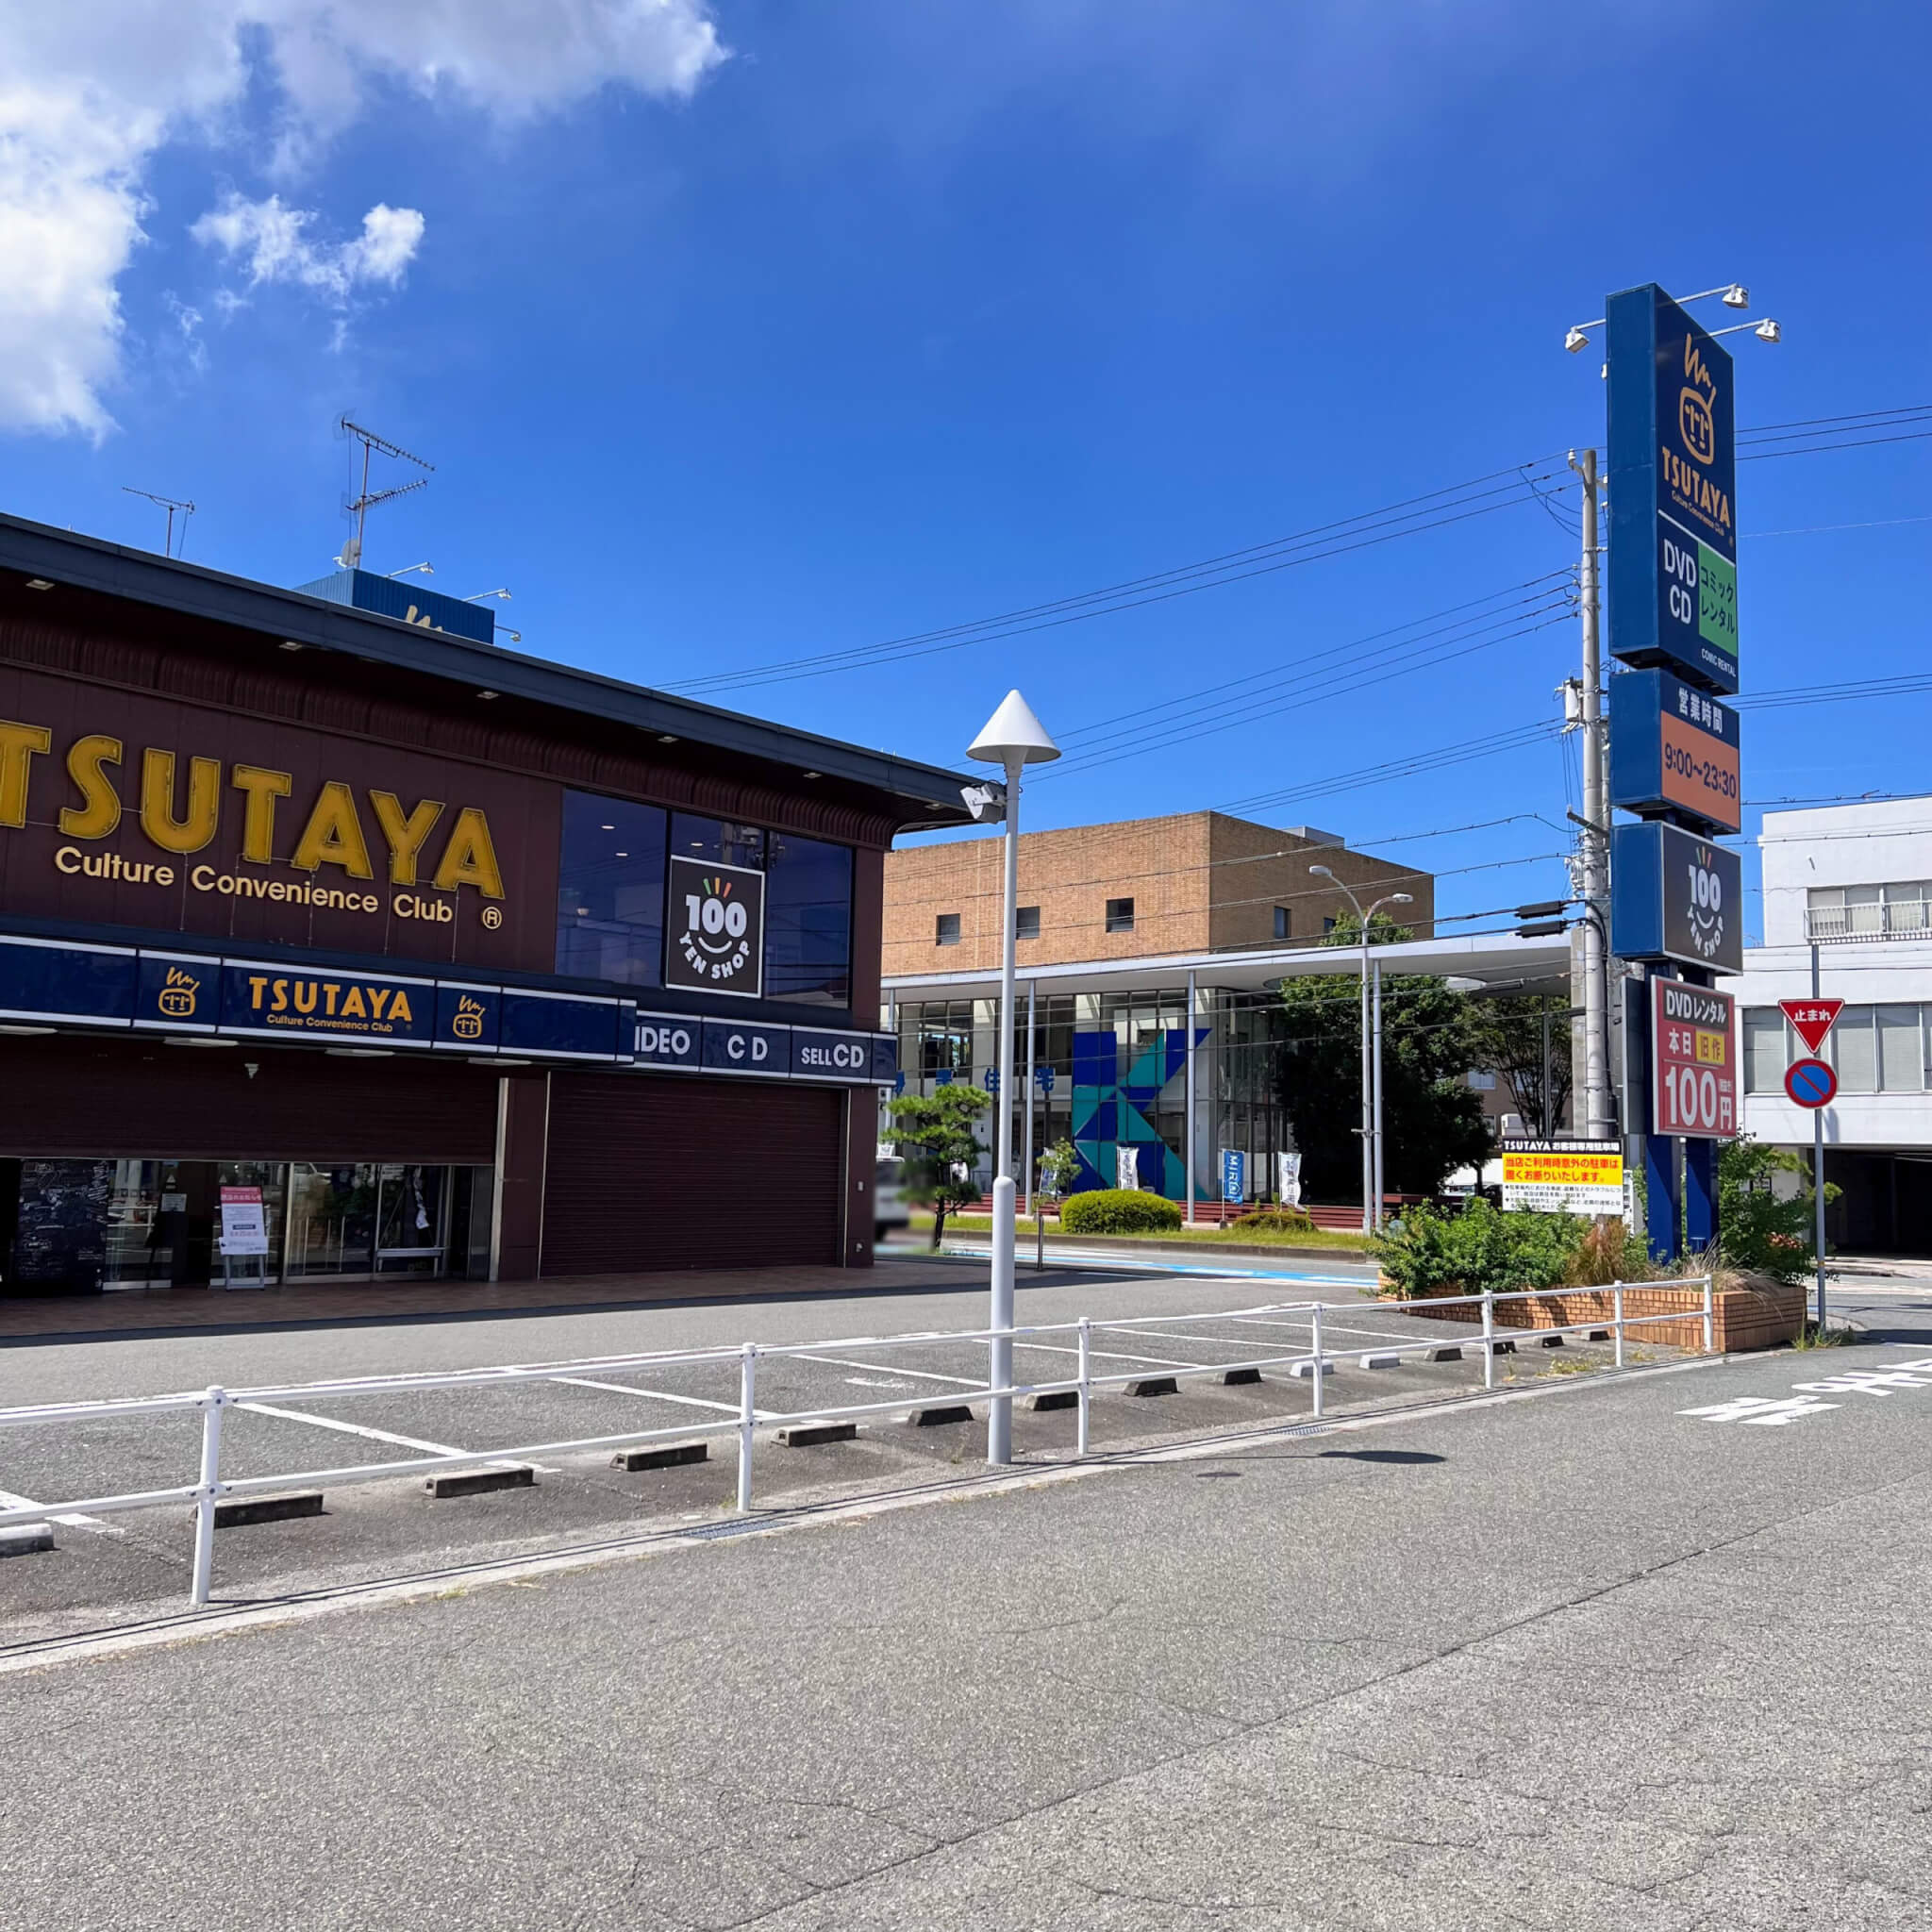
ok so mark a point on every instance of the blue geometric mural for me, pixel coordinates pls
(1110, 1112)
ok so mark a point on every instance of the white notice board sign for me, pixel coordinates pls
(244, 1228)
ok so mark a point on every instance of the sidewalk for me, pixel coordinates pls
(186, 1310)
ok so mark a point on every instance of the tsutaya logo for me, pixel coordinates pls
(178, 993)
(309, 1004)
(717, 927)
(1695, 424)
(468, 1024)
(180, 813)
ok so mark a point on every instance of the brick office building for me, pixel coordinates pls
(469, 963)
(1196, 882)
(1142, 946)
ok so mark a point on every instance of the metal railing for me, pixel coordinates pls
(210, 1488)
(1902, 919)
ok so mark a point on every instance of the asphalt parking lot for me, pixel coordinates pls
(1637, 1654)
(105, 1569)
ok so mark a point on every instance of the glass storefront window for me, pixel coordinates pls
(720, 840)
(611, 891)
(331, 1219)
(807, 920)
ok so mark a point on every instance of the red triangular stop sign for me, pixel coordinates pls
(1812, 1019)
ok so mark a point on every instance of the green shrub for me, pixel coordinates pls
(1276, 1221)
(1759, 1233)
(1480, 1249)
(1118, 1210)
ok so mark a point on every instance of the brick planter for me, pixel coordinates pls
(1760, 1315)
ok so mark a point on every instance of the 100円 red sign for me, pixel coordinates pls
(1694, 1061)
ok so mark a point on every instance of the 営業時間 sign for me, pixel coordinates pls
(1673, 748)
(1694, 1061)
(1673, 528)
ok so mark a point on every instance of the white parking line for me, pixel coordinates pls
(1114, 1355)
(329, 1422)
(1339, 1327)
(655, 1395)
(10, 1501)
(833, 1361)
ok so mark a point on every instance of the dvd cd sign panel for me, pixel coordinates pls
(1674, 514)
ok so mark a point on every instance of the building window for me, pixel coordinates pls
(1901, 1050)
(1120, 915)
(1854, 1046)
(1284, 921)
(946, 929)
(1327, 925)
(1026, 922)
(718, 840)
(807, 920)
(1482, 1082)
(611, 891)
(1765, 1055)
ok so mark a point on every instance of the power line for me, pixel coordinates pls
(1436, 510)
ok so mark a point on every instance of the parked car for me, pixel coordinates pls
(889, 1213)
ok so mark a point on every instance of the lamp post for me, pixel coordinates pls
(1012, 737)
(1372, 1054)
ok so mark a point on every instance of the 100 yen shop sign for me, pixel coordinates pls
(1694, 1061)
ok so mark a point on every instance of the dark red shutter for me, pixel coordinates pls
(138, 1099)
(647, 1173)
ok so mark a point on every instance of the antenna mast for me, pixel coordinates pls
(171, 505)
(351, 558)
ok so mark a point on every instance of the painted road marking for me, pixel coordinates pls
(10, 1501)
(1773, 1412)
(1767, 1411)
(329, 1422)
(1114, 1355)
(658, 1396)
(833, 1361)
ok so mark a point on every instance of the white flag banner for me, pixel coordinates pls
(1127, 1168)
(1288, 1179)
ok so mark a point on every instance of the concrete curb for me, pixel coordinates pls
(246, 1509)
(476, 1482)
(662, 1456)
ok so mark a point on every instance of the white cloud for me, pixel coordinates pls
(92, 89)
(272, 240)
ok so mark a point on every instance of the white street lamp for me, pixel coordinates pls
(1012, 737)
(1372, 1054)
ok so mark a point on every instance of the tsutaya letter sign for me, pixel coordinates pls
(1565, 1177)
(715, 934)
(1694, 1061)
(1672, 748)
(1674, 521)
(1674, 895)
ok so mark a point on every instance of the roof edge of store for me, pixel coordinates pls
(65, 558)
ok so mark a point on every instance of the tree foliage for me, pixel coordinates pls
(934, 1135)
(1756, 1229)
(1510, 1035)
(1432, 1120)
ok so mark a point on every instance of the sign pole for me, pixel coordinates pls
(1818, 1175)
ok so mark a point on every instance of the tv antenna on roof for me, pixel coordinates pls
(351, 558)
(171, 505)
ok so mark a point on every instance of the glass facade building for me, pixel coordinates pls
(1110, 1076)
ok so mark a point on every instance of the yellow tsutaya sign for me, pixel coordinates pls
(180, 805)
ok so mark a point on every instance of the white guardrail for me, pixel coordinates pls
(210, 1488)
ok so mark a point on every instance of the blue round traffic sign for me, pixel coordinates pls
(1810, 1083)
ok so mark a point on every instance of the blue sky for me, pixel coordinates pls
(743, 332)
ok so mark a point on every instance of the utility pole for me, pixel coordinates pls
(1598, 1124)
(1818, 1175)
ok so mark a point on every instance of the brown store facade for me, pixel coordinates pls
(460, 963)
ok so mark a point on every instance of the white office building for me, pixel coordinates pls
(1855, 881)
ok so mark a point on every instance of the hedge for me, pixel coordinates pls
(1118, 1210)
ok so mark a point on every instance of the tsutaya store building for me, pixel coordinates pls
(471, 964)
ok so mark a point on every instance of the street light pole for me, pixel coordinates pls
(1013, 737)
(1371, 1053)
